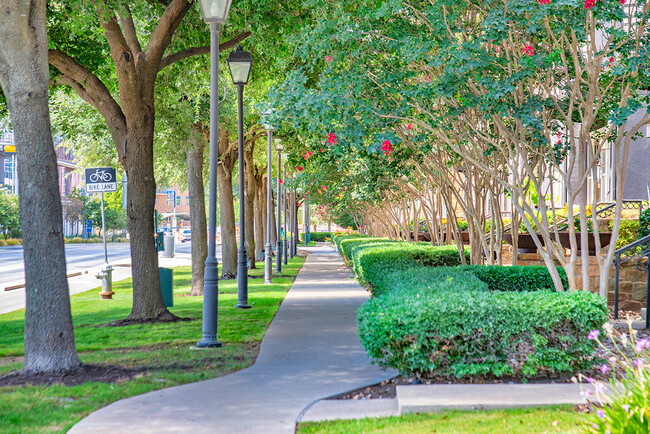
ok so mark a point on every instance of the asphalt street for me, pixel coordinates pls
(79, 257)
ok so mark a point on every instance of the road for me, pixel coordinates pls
(78, 257)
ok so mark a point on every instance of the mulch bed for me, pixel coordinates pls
(96, 373)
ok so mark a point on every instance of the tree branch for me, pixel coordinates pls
(167, 25)
(130, 33)
(194, 51)
(92, 90)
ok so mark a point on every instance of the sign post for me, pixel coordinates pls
(99, 180)
(171, 195)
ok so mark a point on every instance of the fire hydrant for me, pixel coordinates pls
(107, 282)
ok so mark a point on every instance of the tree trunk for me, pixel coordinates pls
(24, 75)
(249, 196)
(141, 193)
(227, 159)
(194, 152)
(260, 213)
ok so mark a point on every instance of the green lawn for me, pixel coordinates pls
(161, 351)
(554, 419)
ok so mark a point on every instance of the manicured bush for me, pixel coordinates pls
(447, 330)
(517, 278)
(371, 261)
(317, 236)
(14, 242)
(73, 240)
(2, 243)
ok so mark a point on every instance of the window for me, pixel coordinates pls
(178, 201)
(187, 200)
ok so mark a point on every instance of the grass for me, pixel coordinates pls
(161, 351)
(563, 419)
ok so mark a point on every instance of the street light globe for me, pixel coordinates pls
(239, 63)
(278, 145)
(215, 11)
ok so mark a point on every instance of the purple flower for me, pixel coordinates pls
(590, 380)
(586, 392)
(637, 363)
(595, 426)
(593, 335)
(640, 344)
(604, 368)
(600, 413)
(626, 407)
(600, 387)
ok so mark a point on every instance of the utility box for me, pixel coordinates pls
(166, 285)
(160, 241)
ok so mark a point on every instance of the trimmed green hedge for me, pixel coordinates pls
(517, 278)
(450, 331)
(317, 236)
(431, 317)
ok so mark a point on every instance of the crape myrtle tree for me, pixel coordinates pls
(527, 90)
(24, 75)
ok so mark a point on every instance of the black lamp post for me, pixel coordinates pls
(215, 13)
(278, 223)
(239, 63)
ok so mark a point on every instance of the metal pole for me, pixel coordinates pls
(291, 223)
(104, 230)
(307, 222)
(647, 295)
(294, 226)
(285, 250)
(278, 247)
(269, 210)
(242, 257)
(211, 270)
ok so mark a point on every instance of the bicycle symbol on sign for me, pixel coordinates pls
(101, 175)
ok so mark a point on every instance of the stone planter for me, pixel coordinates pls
(605, 239)
(525, 243)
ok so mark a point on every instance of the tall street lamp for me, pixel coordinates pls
(239, 64)
(278, 247)
(215, 13)
(285, 252)
(291, 222)
(268, 250)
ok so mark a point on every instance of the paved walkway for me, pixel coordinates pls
(311, 351)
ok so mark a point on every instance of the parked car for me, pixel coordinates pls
(185, 235)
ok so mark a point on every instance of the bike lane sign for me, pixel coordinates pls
(100, 179)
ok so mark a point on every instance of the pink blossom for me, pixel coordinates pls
(590, 4)
(544, 2)
(593, 335)
(281, 181)
(331, 139)
(386, 147)
(322, 187)
(604, 368)
(319, 192)
(328, 58)
(622, 1)
(528, 50)
(409, 126)
(299, 168)
(428, 78)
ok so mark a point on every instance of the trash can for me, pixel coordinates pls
(160, 241)
(168, 251)
(166, 284)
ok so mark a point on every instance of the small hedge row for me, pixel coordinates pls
(11, 242)
(318, 236)
(430, 317)
(448, 330)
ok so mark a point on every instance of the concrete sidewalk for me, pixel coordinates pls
(86, 280)
(311, 351)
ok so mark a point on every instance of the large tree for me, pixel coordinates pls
(24, 75)
(137, 56)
